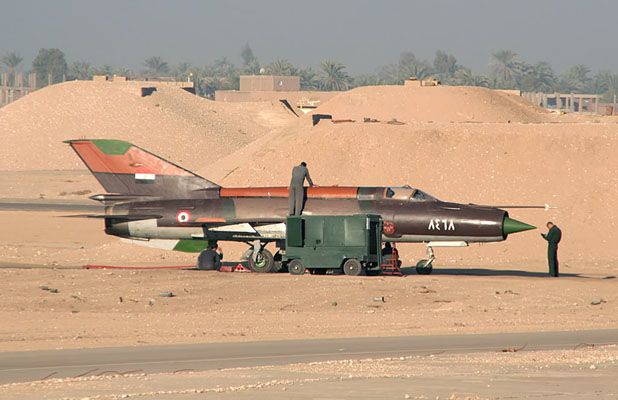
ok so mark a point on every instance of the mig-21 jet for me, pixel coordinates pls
(155, 202)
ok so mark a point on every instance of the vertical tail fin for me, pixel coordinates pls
(123, 168)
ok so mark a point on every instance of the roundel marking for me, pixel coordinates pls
(388, 227)
(183, 216)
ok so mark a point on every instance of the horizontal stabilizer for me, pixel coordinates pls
(123, 217)
(545, 207)
(111, 198)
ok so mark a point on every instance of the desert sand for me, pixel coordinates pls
(95, 308)
(433, 104)
(460, 144)
(171, 122)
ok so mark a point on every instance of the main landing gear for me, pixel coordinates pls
(261, 259)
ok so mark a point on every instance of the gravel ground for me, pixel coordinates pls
(583, 373)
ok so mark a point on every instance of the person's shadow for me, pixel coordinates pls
(500, 272)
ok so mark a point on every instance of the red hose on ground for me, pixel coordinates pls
(136, 267)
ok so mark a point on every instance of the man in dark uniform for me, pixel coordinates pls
(296, 192)
(210, 259)
(390, 254)
(553, 237)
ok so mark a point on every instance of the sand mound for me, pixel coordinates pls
(171, 122)
(573, 168)
(432, 103)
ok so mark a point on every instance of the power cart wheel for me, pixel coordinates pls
(296, 267)
(353, 267)
(265, 262)
(424, 267)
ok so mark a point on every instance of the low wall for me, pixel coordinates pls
(294, 98)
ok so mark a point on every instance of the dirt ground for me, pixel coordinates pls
(123, 307)
(459, 144)
(583, 373)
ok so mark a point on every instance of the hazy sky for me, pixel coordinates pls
(362, 34)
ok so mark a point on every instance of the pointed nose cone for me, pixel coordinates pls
(513, 226)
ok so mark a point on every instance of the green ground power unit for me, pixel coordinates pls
(321, 242)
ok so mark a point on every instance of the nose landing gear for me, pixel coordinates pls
(424, 267)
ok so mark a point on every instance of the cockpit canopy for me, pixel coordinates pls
(407, 193)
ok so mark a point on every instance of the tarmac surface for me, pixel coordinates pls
(38, 365)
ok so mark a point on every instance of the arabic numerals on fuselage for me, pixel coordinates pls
(439, 224)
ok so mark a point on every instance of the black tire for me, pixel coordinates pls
(423, 267)
(353, 267)
(296, 267)
(201, 264)
(265, 262)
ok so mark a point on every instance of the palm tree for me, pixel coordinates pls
(156, 66)
(183, 71)
(105, 69)
(525, 78)
(81, 70)
(465, 77)
(390, 75)
(334, 77)
(544, 77)
(612, 88)
(309, 79)
(445, 65)
(366, 80)
(220, 75)
(410, 66)
(599, 82)
(253, 67)
(576, 79)
(282, 67)
(607, 83)
(503, 67)
(11, 61)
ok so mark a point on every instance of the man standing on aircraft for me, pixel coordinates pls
(296, 191)
(553, 237)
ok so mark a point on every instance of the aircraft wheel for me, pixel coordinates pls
(265, 262)
(353, 267)
(296, 267)
(424, 267)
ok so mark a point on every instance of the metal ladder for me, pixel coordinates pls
(392, 268)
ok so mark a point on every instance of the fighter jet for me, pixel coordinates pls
(155, 202)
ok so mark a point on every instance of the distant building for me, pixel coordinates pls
(269, 83)
(274, 88)
(566, 102)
